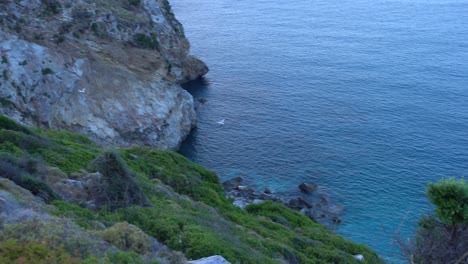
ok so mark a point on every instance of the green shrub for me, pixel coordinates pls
(47, 71)
(134, 2)
(7, 123)
(450, 196)
(20, 170)
(178, 172)
(81, 216)
(38, 188)
(8, 147)
(63, 136)
(59, 234)
(27, 142)
(118, 187)
(274, 210)
(32, 252)
(127, 237)
(124, 258)
(52, 7)
(146, 42)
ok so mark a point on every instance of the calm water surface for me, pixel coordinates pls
(368, 99)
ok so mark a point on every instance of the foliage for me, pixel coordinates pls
(65, 136)
(8, 147)
(52, 7)
(20, 170)
(32, 252)
(68, 151)
(146, 42)
(124, 258)
(134, 2)
(81, 216)
(118, 188)
(47, 71)
(127, 237)
(274, 211)
(176, 171)
(59, 234)
(450, 196)
(168, 8)
(8, 124)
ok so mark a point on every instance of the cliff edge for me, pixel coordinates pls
(109, 70)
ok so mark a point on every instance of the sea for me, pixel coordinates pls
(368, 99)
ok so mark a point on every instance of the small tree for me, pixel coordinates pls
(117, 187)
(443, 237)
(450, 196)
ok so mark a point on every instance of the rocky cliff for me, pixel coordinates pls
(107, 69)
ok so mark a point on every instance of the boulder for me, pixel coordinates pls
(210, 260)
(298, 203)
(304, 203)
(307, 187)
(233, 184)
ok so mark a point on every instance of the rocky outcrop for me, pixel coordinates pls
(108, 70)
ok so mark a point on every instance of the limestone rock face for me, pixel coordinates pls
(107, 69)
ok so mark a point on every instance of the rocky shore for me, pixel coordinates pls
(306, 200)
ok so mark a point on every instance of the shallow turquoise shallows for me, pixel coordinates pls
(366, 98)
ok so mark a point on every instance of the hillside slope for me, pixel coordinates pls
(87, 202)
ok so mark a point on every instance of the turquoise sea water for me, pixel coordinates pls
(366, 98)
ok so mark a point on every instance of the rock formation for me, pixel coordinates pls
(109, 70)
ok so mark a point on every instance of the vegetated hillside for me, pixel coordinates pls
(64, 198)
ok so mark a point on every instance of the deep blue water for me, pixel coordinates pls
(366, 98)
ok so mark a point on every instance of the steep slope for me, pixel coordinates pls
(109, 70)
(129, 197)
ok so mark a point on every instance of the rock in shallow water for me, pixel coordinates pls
(233, 183)
(307, 187)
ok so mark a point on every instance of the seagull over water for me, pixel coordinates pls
(221, 122)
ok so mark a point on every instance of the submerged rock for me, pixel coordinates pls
(307, 187)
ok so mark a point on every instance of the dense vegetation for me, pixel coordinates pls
(133, 196)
